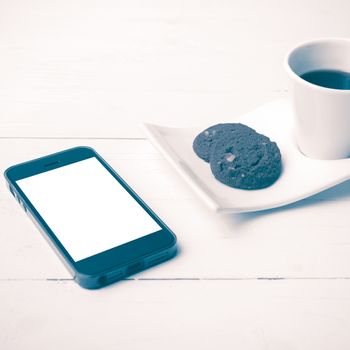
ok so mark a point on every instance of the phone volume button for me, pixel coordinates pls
(12, 191)
(22, 205)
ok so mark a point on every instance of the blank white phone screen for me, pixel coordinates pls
(86, 208)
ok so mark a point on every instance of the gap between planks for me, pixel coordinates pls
(188, 279)
(71, 138)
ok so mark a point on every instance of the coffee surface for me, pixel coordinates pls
(333, 79)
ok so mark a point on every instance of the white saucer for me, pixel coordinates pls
(301, 176)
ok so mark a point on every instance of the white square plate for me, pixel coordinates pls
(301, 176)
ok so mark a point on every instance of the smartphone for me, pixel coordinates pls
(100, 228)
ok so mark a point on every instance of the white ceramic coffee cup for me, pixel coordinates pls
(322, 114)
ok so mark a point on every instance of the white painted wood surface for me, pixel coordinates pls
(86, 73)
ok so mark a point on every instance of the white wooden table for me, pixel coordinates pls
(76, 72)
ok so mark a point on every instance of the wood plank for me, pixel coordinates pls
(85, 69)
(305, 240)
(99, 119)
(96, 69)
(243, 315)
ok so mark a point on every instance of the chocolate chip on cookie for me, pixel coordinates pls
(246, 161)
(204, 142)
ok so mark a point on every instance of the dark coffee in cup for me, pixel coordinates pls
(329, 78)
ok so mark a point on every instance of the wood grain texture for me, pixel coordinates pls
(309, 239)
(98, 68)
(87, 73)
(250, 315)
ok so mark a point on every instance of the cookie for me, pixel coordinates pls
(246, 161)
(204, 142)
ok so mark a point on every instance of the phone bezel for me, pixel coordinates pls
(110, 259)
